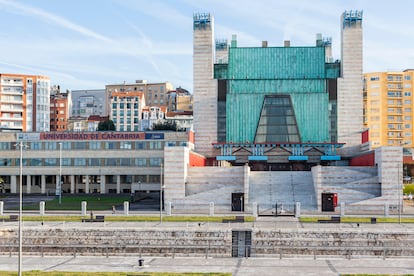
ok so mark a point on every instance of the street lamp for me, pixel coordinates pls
(60, 173)
(161, 188)
(20, 209)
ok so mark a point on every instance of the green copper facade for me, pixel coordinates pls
(254, 73)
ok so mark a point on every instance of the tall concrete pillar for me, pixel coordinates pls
(126, 208)
(42, 208)
(1, 208)
(72, 184)
(204, 85)
(211, 210)
(103, 184)
(83, 207)
(29, 184)
(297, 210)
(87, 184)
(254, 209)
(169, 207)
(342, 209)
(350, 84)
(118, 184)
(43, 184)
(13, 184)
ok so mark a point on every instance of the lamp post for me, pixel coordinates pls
(161, 187)
(20, 210)
(399, 194)
(60, 173)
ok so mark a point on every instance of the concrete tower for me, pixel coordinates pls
(205, 86)
(350, 85)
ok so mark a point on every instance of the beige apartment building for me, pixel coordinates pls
(388, 108)
(155, 93)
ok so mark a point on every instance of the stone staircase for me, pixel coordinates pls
(352, 184)
(282, 187)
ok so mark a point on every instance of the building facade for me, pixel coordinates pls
(155, 93)
(89, 102)
(24, 102)
(126, 110)
(59, 109)
(388, 108)
(89, 162)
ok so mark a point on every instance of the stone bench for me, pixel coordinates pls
(334, 219)
(96, 219)
(11, 218)
(236, 219)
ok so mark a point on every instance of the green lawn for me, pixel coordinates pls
(133, 218)
(408, 189)
(69, 202)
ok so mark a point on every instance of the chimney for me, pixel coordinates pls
(286, 43)
(264, 44)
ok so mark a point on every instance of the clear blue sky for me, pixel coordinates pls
(86, 44)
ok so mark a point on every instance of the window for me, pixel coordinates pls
(156, 145)
(126, 162)
(154, 178)
(94, 145)
(125, 145)
(140, 145)
(66, 162)
(79, 162)
(50, 162)
(94, 162)
(407, 101)
(80, 145)
(141, 162)
(110, 161)
(407, 77)
(155, 162)
(407, 126)
(50, 145)
(110, 145)
(35, 145)
(407, 94)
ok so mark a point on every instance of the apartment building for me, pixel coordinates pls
(388, 108)
(24, 102)
(59, 109)
(86, 103)
(126, 109)
(155, 93)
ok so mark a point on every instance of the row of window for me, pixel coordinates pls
(391, 78)
(95, 145)
(70, 162)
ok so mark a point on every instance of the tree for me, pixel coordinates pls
(106, 125)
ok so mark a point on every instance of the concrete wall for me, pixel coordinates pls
(202, 241)
(349, 98)
(176, 161)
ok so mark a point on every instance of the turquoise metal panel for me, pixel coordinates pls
(298, 158)
(220, 71)
(243, 113)
(277, 86)
(258, 158)
(330, 158)
(277, 63)
(225, 158)
(312, 116)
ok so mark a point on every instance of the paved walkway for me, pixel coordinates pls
(236, 266)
